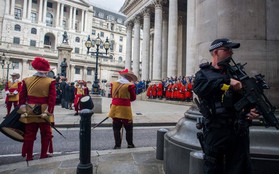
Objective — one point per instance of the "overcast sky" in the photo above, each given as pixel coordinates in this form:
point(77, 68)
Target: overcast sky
point(109, 4)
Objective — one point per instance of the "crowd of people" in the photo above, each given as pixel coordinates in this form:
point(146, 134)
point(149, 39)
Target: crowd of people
point(69, 93)
point(173, 88)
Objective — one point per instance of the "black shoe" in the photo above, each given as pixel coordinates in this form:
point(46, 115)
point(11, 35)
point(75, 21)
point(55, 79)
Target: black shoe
point(131, 146)
point(117, 147)
point(75, 114)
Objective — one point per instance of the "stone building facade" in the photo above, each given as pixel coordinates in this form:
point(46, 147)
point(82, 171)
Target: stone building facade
point(178, 33)
point(30, 28)
point(163, 25)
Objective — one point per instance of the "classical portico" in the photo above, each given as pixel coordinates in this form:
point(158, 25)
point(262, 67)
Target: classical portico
point(161, 54)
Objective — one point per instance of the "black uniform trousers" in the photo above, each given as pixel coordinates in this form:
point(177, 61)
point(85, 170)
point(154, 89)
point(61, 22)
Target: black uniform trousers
point(117, 125)
point(226, 152)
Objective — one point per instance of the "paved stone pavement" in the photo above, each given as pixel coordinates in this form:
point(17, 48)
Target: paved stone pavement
point(128, 161)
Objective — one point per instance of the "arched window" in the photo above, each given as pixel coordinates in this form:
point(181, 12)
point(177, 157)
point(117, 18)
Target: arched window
point(49, 19)
point(119, 59)
point(33, 31)
point(77, 39)
point(17, 27)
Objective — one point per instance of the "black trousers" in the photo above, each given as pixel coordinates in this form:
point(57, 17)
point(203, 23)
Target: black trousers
point(226, 152)
point(117, 125)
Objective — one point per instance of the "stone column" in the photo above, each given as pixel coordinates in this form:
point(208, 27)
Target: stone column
point(24, 11)
point(29, 9)
point(128, 45)
point(136, 48)
point(45, 11)
point(74, 18)
point(151, 56)
point(172, 38)
point(191, 30)
point(85, 21)
point(82, 21)
point(83, 70)
point(7, 7)
point(165, 45)
point(57, 14)
point(70, 18)
point(61, 15)
point(146, 45)
point(40, 10)
point(12, 8)
point(25, 68)
point(72, 76)
point(157, 59)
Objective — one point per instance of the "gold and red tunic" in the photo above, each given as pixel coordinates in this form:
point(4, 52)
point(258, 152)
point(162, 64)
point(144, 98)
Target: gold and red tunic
point(79, 92)
point(38, 90)
point(121, 101)
point(11, 88)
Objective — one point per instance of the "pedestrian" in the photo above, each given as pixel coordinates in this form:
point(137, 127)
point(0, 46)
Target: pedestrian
point(226, 131)
point(12, 90)
point(63, 85)
point(123, 93)
point(37, 101)
point(71, 95)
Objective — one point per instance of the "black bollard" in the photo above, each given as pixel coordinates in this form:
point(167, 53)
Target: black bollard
point(85, 166)
point(160, 143)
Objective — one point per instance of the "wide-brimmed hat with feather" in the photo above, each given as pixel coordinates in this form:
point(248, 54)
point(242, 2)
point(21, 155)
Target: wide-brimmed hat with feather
point(129, 75)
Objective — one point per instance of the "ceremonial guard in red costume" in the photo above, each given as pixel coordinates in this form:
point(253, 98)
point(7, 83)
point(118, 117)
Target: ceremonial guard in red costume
point(79, 92)
point(182, 92)
point(169, 91)
point(85, 88)
point(123, 93)
point(154, 91)
point(12, 90)
point(149, 91)
point(160, 90)
point(189, 91)
point(37, 101)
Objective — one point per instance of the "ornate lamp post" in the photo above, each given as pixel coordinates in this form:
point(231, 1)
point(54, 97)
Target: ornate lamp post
point(91, 43)
point(6, 60)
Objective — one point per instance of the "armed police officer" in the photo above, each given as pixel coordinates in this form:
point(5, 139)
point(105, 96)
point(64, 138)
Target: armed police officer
point(226, 132)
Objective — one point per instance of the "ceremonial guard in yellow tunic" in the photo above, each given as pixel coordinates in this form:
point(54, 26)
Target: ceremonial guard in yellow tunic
point(12, 89)
point(123, 92)
point(79, 92)
point(37, 101)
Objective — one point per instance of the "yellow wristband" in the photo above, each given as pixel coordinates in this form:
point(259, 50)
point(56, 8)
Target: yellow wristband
point(225, 87)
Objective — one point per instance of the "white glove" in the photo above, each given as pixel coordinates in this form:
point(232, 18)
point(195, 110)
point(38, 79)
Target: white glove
point(24, 115)
point(44, 115)
point(15, 92)
point(7, 92)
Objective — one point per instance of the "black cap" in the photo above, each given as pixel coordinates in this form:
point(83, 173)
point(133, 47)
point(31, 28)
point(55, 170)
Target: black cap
point(224, 42)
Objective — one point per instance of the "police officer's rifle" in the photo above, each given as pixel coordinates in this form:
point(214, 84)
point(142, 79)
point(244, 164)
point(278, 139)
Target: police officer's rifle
point(253, 94)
